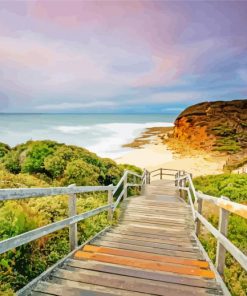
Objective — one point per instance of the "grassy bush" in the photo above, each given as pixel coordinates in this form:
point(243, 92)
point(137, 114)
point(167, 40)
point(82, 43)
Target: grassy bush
point(46, 164)
point(235, 187)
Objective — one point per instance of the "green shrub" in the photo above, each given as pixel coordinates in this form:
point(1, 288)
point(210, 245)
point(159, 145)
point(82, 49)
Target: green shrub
point(4, 149)
point(81, 173)
point(45, 164)
point(35, 157)
point(11, 162)
point(233, 186)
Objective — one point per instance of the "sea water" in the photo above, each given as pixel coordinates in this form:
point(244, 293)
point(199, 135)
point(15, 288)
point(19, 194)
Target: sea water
point(103, 134)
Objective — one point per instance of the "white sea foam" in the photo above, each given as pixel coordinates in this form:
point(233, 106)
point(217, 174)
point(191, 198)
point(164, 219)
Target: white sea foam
point(71, 129)
point(102, 134)
point(115, 135)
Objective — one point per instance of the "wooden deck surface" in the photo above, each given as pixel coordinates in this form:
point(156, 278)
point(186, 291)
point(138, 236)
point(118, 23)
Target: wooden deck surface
point(152, 251)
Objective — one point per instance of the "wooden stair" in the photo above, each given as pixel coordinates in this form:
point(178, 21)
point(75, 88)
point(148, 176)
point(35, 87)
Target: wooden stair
point(152, 251)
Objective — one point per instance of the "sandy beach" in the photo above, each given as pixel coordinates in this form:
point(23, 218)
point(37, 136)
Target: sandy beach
point(153, 153)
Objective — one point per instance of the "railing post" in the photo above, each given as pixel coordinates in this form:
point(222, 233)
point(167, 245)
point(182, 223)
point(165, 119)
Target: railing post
point(180, 184)
point(125, 185)
point(198, 222)
point(160, 174)
point(72, 228)
point(110, 201)
point(145, 177)
point(221, 251)
point(183, 191)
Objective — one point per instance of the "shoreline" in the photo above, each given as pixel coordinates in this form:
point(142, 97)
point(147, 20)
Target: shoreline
point(151, 150)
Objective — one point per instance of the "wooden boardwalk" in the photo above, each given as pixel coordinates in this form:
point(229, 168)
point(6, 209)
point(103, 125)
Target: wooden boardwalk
point(151, 251)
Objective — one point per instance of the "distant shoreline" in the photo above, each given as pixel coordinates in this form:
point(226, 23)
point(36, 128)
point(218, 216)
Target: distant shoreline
point(150, 150)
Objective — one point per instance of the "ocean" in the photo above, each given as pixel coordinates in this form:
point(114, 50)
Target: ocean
point(103, 134)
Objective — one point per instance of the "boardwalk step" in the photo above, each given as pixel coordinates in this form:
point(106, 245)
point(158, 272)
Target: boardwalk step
point(133, 241)
point(124, 283)
point(146, 256)
point(145, 264)
point(135, 272)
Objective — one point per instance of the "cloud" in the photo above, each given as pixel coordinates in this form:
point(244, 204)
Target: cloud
point(70, 106)
point(86, 54)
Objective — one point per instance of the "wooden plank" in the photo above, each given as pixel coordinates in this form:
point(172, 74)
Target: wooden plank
point(40, 294)
point(145, 274)
point(163, 221)
point(128, 283)
point(149, 222)
point(62, 287)
point(145, 264)
point(146, 256)
point(158, 226)
point(130, 208)
point(160, 210)
point(148, 239)
point(149, 244)
point(165, 224)
point(148, 249)
point(153, 231)
point(157, 212)
point(185, 239)
point(160, 204)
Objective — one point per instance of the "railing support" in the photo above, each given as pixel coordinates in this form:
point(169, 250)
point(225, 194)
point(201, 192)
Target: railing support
point(125, 185)
point(198, 222)
point(176, 181)
point(110, 201)
point(221, 251)
point(160, 174)
point(73, 241)
point(180, 184)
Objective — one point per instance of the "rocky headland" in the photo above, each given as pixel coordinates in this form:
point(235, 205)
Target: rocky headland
point(207, 138)
point(219, 126)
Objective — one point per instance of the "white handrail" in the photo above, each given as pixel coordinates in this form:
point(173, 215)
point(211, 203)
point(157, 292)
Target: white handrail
point(20, 193)
point(225, 205)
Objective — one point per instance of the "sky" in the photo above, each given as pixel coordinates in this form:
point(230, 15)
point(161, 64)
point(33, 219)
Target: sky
point(120, 56)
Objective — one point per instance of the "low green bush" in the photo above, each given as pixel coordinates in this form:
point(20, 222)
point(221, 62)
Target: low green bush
point(233, 186)
point(46, 164)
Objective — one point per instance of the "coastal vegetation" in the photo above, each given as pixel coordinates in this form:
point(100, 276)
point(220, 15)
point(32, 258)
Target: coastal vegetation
point(233, 186)
point(47, 164)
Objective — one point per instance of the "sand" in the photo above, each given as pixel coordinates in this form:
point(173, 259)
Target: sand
point(156, 155)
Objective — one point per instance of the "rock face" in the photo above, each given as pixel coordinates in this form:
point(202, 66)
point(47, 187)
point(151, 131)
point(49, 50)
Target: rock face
point(219, 126)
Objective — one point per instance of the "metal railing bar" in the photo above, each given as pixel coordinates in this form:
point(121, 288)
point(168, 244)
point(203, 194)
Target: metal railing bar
point(230, 247)
point(19, 193)
point(118, 200)
point(133, 185)
point(29, 236)
point(120, 182)
point(230, 206)
point(156, 175)
point(134, 174)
